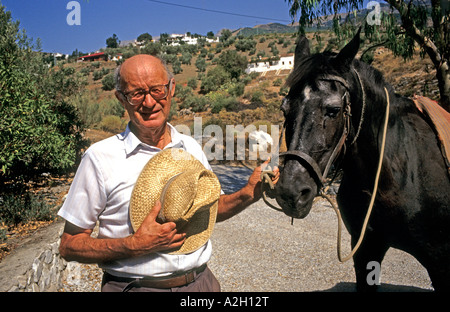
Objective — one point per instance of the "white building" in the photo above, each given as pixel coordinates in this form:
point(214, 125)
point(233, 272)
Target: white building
point(188, 39)
point(285, 62)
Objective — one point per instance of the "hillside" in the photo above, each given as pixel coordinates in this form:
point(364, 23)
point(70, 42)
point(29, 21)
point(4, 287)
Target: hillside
point(260, 99)
point(257, 104)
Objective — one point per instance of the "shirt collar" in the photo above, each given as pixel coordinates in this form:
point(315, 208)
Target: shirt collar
point(132, 143)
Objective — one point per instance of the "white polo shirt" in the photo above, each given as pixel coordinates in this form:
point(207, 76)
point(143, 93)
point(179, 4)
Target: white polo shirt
point(101, 191)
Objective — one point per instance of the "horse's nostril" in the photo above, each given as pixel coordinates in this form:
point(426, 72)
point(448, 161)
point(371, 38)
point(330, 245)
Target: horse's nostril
point(305, 194)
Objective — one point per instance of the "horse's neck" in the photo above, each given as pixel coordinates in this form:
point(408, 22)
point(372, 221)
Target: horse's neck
point(369, 100)
point(368, 114)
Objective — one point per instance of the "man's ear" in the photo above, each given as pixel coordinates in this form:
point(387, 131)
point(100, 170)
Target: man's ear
point(172, 85)
point(120, 97)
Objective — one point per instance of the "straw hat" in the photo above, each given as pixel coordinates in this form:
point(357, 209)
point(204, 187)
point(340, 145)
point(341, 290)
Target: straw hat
point(188, 192)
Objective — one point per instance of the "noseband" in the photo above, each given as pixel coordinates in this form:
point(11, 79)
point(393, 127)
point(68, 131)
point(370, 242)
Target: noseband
point(305, 159)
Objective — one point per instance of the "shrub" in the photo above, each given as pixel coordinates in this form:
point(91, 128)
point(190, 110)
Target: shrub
point(91, 111)
point(98, 74)
point(182, 92)
point(173, 109)
point(219, 101)
point(192, 83)
point(108, 82)
point(277, 82)
point(85, 71)
point(112, 123)
point(196, 103)
point(236, 89)
point(21, 208)
point(257, 97)
point(215, 78)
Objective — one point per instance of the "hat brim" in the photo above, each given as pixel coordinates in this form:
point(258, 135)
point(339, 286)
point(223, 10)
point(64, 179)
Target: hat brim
point(149, 186)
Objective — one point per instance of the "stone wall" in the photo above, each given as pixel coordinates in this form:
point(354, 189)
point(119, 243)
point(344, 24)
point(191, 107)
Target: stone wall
point(36, 266)
point(45, 272)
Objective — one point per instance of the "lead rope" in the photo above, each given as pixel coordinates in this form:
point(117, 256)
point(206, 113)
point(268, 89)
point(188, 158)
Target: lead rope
point(372, 199)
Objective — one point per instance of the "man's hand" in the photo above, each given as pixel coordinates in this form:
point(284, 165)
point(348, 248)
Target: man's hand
point(78, 245)
point(153, 236)
point(232, 204)
point(253, 186)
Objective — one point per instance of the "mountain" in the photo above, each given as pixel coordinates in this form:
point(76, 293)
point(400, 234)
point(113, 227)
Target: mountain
point(266, 28)
point(327, 22)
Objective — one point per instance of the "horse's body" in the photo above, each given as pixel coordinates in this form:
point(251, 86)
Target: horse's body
point(412, 205)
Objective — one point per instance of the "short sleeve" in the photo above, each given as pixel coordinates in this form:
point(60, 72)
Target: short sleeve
point(87, 197)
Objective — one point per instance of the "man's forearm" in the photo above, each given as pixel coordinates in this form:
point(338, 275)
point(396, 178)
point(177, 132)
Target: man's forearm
point(232, 204)
point(78, 245)
point(85, 249)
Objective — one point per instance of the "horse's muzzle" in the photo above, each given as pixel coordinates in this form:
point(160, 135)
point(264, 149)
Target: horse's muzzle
point(296, 189)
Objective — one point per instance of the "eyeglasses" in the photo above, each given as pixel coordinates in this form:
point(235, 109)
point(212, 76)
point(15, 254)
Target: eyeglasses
point(157, 92)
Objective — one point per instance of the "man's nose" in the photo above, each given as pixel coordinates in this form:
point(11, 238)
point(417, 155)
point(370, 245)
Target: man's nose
point(149, 101)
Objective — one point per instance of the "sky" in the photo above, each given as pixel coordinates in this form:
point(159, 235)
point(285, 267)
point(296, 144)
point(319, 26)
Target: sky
point(100, 19)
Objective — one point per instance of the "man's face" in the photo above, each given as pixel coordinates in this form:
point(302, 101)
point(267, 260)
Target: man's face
point(140, 74)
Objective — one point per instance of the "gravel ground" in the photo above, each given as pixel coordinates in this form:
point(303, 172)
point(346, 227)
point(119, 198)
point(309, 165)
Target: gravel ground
point(260, 251)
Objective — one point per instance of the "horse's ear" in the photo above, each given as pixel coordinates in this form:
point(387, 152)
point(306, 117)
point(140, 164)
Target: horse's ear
point(348, 53)
point(302, 49)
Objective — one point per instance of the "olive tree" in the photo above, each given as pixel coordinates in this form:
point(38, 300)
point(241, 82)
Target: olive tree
point(39, 130)
point(404, 24)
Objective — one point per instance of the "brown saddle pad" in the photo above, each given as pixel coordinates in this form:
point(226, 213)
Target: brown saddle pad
point(441, 120)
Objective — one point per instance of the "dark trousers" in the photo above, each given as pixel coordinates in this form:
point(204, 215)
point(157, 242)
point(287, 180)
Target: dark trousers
point(204, 282)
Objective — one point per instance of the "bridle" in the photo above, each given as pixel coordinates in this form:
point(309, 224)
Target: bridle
point(312, 166)
point(320, 177)
point(303, 157)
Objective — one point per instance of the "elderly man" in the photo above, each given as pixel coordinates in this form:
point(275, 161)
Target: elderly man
point(103, 185)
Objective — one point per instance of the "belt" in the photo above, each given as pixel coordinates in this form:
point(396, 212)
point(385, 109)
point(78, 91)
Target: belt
point(175, 280)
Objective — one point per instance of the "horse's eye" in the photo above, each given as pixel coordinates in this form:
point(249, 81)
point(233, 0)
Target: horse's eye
point(332, 111)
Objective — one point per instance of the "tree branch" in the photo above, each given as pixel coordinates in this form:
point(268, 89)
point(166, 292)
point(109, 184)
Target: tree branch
point(427, 44)
point(373, 47)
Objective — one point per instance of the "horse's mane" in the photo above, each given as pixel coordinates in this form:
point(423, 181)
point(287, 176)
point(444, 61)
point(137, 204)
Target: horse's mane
point(308, 67)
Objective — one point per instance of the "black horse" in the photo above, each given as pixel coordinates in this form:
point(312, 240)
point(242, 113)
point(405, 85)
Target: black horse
point(334, 114)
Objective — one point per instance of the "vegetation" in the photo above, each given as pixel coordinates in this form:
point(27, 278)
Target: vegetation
point(112, 42)
point(46, 103)
point(398, 28)
point(40, 132)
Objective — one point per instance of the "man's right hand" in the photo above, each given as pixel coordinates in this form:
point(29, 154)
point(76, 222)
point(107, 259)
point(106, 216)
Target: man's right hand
point(78, 245)
point(152, 236)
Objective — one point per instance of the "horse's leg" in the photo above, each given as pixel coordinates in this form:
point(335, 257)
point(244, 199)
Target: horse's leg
point(371, 249)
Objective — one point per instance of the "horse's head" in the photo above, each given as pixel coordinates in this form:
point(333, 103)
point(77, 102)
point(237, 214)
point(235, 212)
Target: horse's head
point(315, 111)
